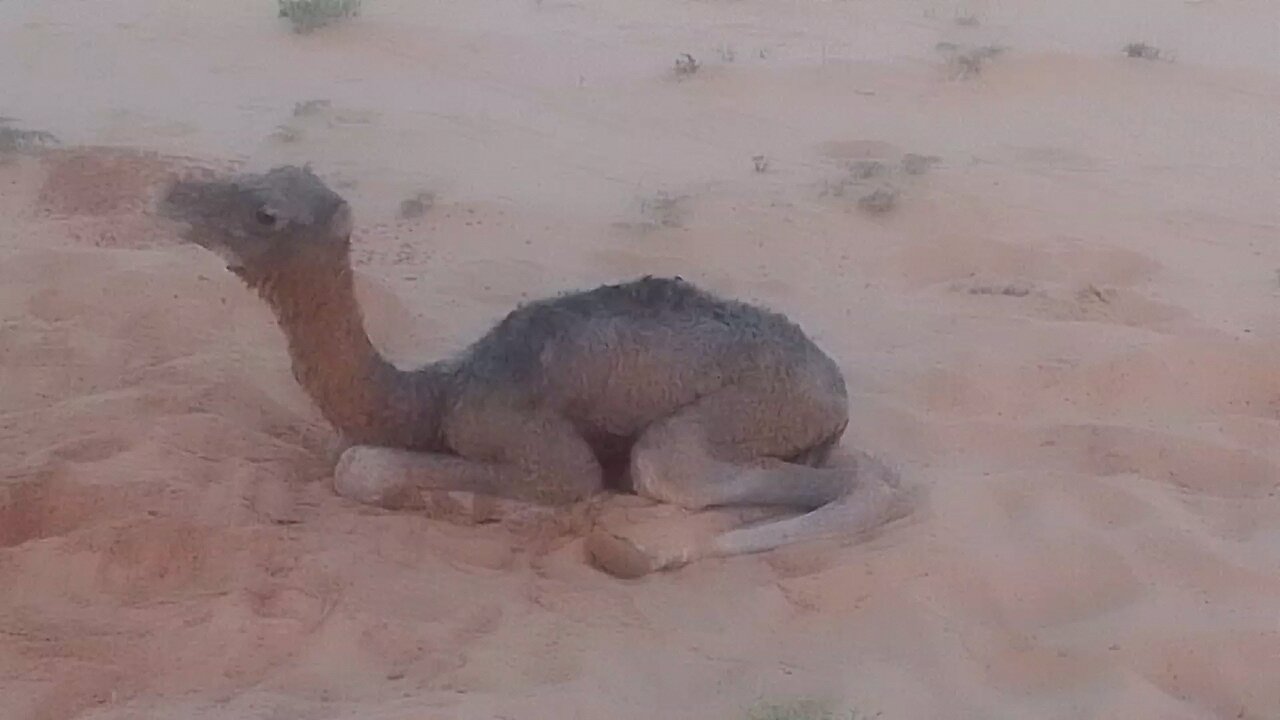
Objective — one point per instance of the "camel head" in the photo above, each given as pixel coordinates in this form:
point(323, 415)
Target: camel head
point(261, 224)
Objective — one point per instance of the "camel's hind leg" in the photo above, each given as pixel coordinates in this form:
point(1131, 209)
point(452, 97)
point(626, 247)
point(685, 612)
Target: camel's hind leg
point(723, 451)
point(873, 497)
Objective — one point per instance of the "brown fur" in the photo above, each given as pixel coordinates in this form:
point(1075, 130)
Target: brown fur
point(316, 306)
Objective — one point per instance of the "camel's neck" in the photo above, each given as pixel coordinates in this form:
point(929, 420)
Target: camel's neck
point(366, 398)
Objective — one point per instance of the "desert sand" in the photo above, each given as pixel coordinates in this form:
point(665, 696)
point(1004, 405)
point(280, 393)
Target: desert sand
point(1065, 330)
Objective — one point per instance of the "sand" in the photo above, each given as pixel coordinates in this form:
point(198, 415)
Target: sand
point(1061, 324)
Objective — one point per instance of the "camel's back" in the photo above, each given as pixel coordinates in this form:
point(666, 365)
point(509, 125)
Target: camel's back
point(628, 353)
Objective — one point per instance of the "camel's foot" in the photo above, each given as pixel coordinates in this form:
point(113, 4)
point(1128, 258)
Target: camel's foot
point(372, 476)
point(631, 541)
point(628, 557)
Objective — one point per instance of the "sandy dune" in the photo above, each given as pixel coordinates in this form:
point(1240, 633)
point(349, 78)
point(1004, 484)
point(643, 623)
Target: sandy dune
point(1066, 331)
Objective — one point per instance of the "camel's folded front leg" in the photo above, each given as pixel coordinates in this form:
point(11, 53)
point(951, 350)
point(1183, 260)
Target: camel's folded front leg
point(395, 478)
point(544, 473)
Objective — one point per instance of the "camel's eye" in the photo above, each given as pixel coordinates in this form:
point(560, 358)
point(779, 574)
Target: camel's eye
point(265, 217)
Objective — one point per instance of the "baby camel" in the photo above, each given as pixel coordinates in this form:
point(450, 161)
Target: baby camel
point(713, 402)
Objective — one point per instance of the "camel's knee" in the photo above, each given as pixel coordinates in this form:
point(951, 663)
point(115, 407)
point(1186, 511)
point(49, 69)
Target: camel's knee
point(373, 476)
point(564, 477)
point(628, 557)
point(674, 473)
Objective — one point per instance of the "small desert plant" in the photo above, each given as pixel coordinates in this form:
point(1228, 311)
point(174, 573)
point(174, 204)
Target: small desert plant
point(1005, 290)
point(417, 206)
point(307, 15)
point(916, 164)
point(760, 162)
point(804, 710)
point(967, 62)
point(686, 65)
point(664, 210)
point(1143, 51)
point(867, 169)
point(13, 139)
point(310, 107)
point(879, 201)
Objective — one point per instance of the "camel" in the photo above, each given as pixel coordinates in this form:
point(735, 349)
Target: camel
point(706, 402)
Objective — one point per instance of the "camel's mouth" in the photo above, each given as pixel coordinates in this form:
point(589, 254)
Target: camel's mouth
point(233, 261)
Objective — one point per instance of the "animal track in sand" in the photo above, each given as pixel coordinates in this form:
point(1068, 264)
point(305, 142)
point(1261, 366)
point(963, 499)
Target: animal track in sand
point(1072, 282)
point(1193, 465)
point(1088, 303)
point(964, 257)
point(1173, 378)
point(49, 505)
point(1199, 466)
point(157, 557)
point(1225, 684)
point(95, 448)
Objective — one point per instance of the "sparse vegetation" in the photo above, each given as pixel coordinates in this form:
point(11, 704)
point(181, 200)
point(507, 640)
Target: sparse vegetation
point(879, 201)
point(308, 15)
point(761, 163)
point(877, 183)
point(417, 206)
point(1143, 51)
point(1012, 289)
point(310, 107)
point(867, 169)
point(13, 139)
point(856, 175)
point(804, 710)
point(686, 65)
point(664, 210)
point(1094, 294)
point(286, 134)
point(293, 130)
point(967, 62)
point(915, 164)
